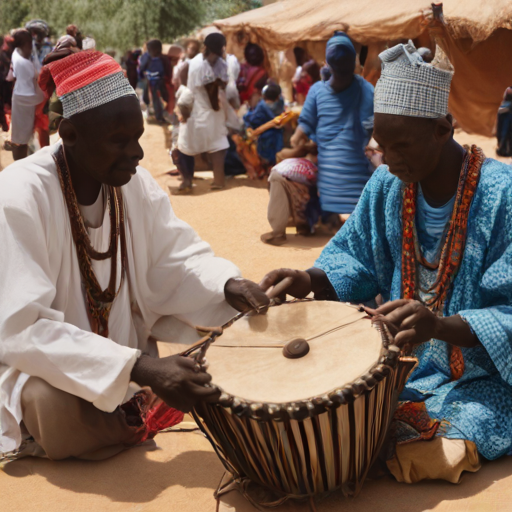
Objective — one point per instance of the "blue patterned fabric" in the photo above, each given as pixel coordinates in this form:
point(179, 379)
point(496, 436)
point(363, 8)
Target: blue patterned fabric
point(339, 123)
point(431, 224)
point(364, 259)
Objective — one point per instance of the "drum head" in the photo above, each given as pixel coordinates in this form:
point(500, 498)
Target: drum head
point(247, 361)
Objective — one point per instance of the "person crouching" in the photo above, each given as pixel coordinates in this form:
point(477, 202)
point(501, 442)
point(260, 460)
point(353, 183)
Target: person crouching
point(293, 193)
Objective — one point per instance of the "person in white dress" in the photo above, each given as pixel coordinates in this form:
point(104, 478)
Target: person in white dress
point(205, 130)
point(92, 258)
point(26, 94)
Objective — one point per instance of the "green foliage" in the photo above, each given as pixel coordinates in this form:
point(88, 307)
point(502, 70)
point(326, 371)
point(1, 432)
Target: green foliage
point(215, 10)
point(122, 24)
point(12, 14)
point(132, 22)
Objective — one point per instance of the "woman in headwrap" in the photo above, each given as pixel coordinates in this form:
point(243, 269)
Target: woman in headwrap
point(338, 113)
point(253, 75)
point(205, 130)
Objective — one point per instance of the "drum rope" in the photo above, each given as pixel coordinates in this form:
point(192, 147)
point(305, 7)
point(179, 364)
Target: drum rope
point(325, 333)
point(212, 442)
point(212, 333)
point(242, 486)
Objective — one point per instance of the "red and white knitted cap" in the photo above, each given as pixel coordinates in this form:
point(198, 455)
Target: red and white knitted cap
point(85, 80)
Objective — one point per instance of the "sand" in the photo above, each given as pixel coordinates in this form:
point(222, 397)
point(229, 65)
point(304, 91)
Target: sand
point(181, 472)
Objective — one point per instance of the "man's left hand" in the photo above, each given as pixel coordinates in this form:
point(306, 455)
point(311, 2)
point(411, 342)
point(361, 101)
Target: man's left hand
point(409, 321)
point(244, 295)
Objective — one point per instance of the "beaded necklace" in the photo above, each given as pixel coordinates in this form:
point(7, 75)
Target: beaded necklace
point(453, 249)
point(99, 302)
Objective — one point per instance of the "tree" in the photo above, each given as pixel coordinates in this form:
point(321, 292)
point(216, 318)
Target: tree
point(136, 21)
point(121, 24)
point(215, 10)
point(12, 14)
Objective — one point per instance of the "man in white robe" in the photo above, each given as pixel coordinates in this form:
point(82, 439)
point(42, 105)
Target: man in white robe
point(61, 384)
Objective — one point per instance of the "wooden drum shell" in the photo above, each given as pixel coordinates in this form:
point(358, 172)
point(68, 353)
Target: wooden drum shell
point(333, 447)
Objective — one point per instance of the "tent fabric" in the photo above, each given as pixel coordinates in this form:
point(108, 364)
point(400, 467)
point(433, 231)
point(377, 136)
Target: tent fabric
point(281, 24)
point(476, 37)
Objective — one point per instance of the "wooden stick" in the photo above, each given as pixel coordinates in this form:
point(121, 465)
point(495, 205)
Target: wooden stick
point(279, 287)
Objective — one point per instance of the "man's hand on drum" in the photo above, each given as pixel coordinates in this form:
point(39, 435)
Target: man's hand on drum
point(409, 321)
point(299, 283)
point(244, 295)
point(179, 381)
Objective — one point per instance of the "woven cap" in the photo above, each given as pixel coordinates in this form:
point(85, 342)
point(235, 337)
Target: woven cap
point(85, 80)
point(408, 86)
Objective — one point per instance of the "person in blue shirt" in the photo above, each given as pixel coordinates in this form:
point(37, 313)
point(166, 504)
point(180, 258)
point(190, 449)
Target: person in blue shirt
point(338, 113)
point(269, 107)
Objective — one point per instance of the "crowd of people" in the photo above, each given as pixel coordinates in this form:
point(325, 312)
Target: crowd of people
point(226, 112)
point(93, 254)
point(23, 108)
point(234, 115)
point(231, 108)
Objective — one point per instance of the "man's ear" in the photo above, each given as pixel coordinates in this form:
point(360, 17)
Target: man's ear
point(444, 128)
point(68, 132)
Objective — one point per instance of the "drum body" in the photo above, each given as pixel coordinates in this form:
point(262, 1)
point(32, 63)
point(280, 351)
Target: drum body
point(302, 445)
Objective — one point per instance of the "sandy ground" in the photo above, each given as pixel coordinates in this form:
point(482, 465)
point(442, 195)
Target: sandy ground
point(182, 471)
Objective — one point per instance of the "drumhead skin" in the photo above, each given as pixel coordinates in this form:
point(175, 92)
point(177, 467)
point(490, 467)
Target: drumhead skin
point(248, 362)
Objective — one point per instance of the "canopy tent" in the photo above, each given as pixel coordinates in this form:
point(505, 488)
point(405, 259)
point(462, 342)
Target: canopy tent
point(476, 36)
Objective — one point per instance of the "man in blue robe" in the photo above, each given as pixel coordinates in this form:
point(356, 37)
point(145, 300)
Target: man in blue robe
point(338, 115)
point(452, 306)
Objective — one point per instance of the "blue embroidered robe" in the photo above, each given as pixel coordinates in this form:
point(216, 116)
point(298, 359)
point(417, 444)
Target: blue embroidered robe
point(364, 259)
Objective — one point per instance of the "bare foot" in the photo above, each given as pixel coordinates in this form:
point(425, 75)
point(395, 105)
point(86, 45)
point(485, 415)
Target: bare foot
point(185, 188)
point(273, 239)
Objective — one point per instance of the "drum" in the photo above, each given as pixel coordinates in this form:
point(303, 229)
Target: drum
point(308, 393)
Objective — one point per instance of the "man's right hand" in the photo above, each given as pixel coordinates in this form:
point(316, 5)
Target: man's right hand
point(299, 288)
point(175, 381)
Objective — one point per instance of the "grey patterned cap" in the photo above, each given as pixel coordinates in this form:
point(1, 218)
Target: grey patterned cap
point(97, 93)
point(408, 86)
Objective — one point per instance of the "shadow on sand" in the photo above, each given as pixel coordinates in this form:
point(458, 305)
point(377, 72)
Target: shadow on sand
point(203, 180)
point(128, 477)
point(387, 495)
point(132, 477)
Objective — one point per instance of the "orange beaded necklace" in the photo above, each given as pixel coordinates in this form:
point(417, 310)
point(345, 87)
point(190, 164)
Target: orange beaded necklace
point(453, 248)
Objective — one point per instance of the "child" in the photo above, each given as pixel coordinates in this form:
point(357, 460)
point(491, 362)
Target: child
point(270, 106)
point(155, 68)
point(184, 163)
